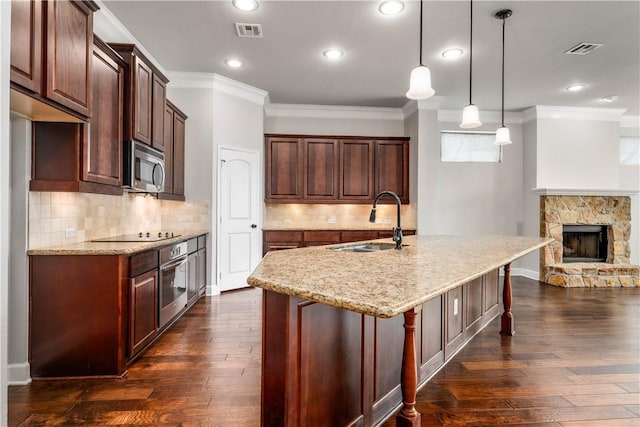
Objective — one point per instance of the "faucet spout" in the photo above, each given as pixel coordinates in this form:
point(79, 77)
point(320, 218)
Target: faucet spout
point(397, 231)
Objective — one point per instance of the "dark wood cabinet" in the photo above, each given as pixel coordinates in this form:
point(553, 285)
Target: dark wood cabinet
point(356, 170)
point(284, 169)
point(26, 44)
point(276, 240)
point(328, 169)
point(52, 51)
point(305, 340)
point(85, 157)
point(320, 169)
point(144, 99)
point(174, 152)
point(102, 150)
point(392, 171)
point(144, 311)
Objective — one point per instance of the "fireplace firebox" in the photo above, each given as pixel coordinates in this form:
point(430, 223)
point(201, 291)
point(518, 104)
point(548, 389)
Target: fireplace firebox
point(584, 243)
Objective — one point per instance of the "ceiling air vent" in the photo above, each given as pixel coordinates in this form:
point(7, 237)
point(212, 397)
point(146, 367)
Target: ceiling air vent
point(583, 48)
point(249, 30)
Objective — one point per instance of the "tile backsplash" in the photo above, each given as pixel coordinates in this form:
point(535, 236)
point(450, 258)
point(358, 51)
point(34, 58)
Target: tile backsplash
point(57, 218)
point(338, 216)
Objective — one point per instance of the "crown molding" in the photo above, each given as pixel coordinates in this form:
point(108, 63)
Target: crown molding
point(240, 90)
point(188, 80)
point(454, 116)
point(573, 113)
point(108, 27)
point(630, 122)
point(332, 112)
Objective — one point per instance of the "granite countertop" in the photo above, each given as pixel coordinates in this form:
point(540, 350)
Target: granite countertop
point(112, 248)
point(388, 283)
point(334, 227)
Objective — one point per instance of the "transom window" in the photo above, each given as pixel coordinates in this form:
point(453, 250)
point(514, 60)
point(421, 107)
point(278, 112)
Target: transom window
point(477, 147)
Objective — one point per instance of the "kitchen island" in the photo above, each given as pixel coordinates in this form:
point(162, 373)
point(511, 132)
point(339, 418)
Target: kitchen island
point(334, 350)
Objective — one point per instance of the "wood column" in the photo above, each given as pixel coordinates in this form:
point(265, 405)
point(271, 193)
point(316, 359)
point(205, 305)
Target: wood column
point(507, 317)
point(408, 416)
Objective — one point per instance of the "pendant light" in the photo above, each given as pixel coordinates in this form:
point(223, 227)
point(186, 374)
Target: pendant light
point(502, 134)
point(420, 80)
point(470, 114)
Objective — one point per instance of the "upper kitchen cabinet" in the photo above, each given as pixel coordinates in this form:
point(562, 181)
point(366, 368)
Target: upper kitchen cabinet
point(51, 53)
point(320, 179)
point(144, 99)
point(174, 138)
point(329, 169)
point(85, 157)
point(392, 167)
point(284, 169)
point(356, 170)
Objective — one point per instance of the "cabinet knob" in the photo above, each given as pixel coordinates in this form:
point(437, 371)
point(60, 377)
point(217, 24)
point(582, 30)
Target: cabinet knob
point(254, 226)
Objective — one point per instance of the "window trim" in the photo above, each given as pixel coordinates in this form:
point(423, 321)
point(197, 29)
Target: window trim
point(499, 147)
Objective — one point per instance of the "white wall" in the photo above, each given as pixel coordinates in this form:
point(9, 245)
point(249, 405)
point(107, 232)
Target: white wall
point(531, 199)
point(5, 37)
point(18, 357)
point(630, 179)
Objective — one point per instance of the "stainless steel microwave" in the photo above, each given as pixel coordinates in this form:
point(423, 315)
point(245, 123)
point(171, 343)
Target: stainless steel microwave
point(143, 168)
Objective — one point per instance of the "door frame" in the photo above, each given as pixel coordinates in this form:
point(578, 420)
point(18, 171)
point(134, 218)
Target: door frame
point(260, 198)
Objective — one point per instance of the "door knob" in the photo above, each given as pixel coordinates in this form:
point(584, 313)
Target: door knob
point(254, 226)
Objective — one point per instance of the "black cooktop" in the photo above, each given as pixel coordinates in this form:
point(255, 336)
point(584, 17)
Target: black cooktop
point(140, 237)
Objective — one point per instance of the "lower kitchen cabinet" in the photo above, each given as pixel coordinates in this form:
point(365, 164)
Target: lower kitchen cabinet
point(278, 240)
point(92, 315)
point(201, 265)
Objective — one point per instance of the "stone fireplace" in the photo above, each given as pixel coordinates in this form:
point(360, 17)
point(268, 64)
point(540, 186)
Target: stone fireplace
point(591, 247)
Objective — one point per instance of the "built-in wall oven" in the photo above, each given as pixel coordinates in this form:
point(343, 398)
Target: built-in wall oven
point(173, 281)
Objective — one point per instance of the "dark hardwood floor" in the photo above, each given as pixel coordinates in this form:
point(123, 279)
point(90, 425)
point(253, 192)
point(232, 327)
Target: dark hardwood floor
point(575, 361)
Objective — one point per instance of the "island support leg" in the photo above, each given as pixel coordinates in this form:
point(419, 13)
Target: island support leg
point(507, 317)
point(408, 416)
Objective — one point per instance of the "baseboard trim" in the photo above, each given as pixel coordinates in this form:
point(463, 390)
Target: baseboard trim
point(19, 373)
point(523, 272)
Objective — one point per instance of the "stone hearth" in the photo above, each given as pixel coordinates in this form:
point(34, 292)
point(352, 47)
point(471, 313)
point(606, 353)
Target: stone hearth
point(612, 211)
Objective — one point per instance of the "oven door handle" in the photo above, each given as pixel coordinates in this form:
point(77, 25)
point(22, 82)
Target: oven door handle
point(174, 264)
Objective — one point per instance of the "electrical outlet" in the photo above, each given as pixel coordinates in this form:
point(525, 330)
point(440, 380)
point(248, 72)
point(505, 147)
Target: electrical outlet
point(69, 233)
point(331, 220)
point(455, 307)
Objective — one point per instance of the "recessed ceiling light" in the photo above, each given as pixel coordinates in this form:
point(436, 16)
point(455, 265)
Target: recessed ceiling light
point(391, 7)
point(576, 87)
point(234, 63)
point(452, 53)
point(245, 5)
point(333, 54)
point(609, 98)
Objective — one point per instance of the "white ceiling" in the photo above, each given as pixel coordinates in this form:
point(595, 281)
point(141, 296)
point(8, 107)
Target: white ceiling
point(380, 51)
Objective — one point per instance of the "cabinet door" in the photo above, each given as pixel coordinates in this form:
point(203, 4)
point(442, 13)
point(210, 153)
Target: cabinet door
point(284, 168)
point(392, 168)
point(168, 149)
point(102, 150)
point(201, 270)
point(320, 169)
point(69, 26)
point(144, 317)
point(454, 325)
point(178, 154)
point(158, 113)
point(142, 103)
point(358, 236)
point(356, 170)
point(26, 44)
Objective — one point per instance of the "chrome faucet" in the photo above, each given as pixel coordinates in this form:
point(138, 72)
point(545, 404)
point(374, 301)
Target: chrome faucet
point(397, 231)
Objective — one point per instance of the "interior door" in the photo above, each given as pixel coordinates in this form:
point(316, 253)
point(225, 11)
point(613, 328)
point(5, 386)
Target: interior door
point(238, 207)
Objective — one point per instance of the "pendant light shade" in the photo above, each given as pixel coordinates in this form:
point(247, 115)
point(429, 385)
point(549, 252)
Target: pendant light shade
point(420, 79)
point(470, 114)
point(502, 134)
point(420, 83)
point(470, 117)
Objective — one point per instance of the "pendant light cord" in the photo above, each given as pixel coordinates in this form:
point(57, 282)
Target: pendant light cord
point(503, 22)
point(420, 32)
point(470, 52)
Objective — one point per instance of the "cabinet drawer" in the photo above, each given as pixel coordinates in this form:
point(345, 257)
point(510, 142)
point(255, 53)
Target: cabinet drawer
point(356, 236)
point(327, 237)
point(143, 262)
point(273, 236)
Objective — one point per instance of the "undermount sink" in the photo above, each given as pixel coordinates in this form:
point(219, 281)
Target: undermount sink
point(365, 247)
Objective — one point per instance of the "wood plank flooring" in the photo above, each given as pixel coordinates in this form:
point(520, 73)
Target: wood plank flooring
point(575, 361)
